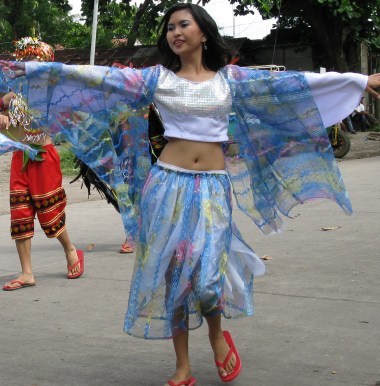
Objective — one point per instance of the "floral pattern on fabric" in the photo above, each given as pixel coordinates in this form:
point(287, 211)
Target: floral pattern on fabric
point(191, 261)
point(284, 154)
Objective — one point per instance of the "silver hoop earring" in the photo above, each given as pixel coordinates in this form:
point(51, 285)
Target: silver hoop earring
point(204, 46)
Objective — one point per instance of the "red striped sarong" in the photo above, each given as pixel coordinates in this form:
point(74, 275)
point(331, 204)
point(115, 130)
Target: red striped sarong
point(37, 190)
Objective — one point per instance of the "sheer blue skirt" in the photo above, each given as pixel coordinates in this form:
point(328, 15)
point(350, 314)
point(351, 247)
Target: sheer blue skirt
point(191, 260)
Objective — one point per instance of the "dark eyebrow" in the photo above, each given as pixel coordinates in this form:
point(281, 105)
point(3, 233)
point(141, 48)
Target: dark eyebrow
point(181, 21)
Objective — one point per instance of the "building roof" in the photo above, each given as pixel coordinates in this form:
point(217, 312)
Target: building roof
point(137, 56)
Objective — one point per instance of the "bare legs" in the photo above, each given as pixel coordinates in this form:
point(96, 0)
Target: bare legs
point(70, 251)
point(126, 247)
point(24, 250)
point(181, 348)
point(24, 247)
point(218, 344)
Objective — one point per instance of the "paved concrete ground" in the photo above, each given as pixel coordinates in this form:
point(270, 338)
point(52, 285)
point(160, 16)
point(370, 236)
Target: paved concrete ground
point(317, 309)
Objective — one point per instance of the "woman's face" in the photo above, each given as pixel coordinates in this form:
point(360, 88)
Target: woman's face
point(184, 35)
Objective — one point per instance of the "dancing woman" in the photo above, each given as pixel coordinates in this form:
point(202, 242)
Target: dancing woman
point(192, 263)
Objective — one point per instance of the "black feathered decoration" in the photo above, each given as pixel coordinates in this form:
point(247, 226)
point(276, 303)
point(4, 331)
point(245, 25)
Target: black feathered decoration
point(156, 131)
point(157, 143)
point(92, 181)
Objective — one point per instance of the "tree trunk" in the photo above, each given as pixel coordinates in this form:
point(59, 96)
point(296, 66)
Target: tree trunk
point(134, 32)
point(331, 37)
point(329, 33)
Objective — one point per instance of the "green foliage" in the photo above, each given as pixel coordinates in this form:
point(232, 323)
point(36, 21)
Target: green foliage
point(62, 5)
point(375, 128)
point(87, 9)
point(331, 24)
point(44, 18)
point(76, 35)
point(68, 162)
point(49, 20)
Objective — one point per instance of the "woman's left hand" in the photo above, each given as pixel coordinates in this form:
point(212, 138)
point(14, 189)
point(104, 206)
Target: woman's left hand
point(17, 68)
point(372, 84)
point(4, 122)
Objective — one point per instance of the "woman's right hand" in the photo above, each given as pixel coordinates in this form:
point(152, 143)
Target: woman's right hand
point(17, 69)
point(7, 99)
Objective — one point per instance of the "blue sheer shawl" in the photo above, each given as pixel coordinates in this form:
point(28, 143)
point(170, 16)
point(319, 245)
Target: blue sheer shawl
point(284, 157)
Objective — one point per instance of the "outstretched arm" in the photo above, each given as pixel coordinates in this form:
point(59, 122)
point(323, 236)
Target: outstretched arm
point(373, 84)
point(337, 95)
point(59, 87)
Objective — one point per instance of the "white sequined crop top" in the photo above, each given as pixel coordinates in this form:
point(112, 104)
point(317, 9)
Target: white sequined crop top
point(195, 111)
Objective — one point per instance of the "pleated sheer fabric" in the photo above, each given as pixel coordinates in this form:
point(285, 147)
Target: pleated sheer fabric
point(284, 157)
point(191, 260)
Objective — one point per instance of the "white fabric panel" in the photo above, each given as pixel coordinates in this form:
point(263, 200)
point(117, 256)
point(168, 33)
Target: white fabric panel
point(335, 94)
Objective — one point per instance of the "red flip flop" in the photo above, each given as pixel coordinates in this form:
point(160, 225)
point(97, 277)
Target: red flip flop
point(189, 382)
point(20, 284)
point(233, 350)
point(126, 248)
point(80, 261)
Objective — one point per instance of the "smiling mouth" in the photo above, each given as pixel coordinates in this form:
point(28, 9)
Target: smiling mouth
point(178, 43)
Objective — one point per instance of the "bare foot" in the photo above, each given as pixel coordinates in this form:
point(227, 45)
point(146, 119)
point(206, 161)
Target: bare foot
point(72, 258)
point(179, 376)
point(126, 248)
point(24, 278)
point(221, 349)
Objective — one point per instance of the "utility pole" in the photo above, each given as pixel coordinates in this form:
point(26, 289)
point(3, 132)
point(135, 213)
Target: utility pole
point(233, 21)
point(93, 34)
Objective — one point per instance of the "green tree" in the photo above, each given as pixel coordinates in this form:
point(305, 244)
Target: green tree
point(116, 22)
point(46, 19)
point(125, 19)
point(146, 20)
point(334, 25)
point(87, 9)
point(63, 5)
point(31, 17)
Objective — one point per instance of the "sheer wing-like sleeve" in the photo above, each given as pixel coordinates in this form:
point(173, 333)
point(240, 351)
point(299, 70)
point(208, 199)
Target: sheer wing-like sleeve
point(336, 95)
point(119, 156)
point(8, 145)
point(52, 89)
point(285, 156)
point(100, 112)
point(56, 87)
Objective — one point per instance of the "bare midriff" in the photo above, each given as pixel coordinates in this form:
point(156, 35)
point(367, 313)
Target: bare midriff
point(193, 155)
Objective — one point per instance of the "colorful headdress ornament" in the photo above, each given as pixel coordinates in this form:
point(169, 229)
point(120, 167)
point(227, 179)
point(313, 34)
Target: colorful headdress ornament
point(29, 47)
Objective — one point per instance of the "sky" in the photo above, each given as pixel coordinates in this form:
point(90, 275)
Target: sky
point(249, 26)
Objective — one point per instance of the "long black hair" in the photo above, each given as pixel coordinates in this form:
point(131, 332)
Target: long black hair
point(218, 53)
